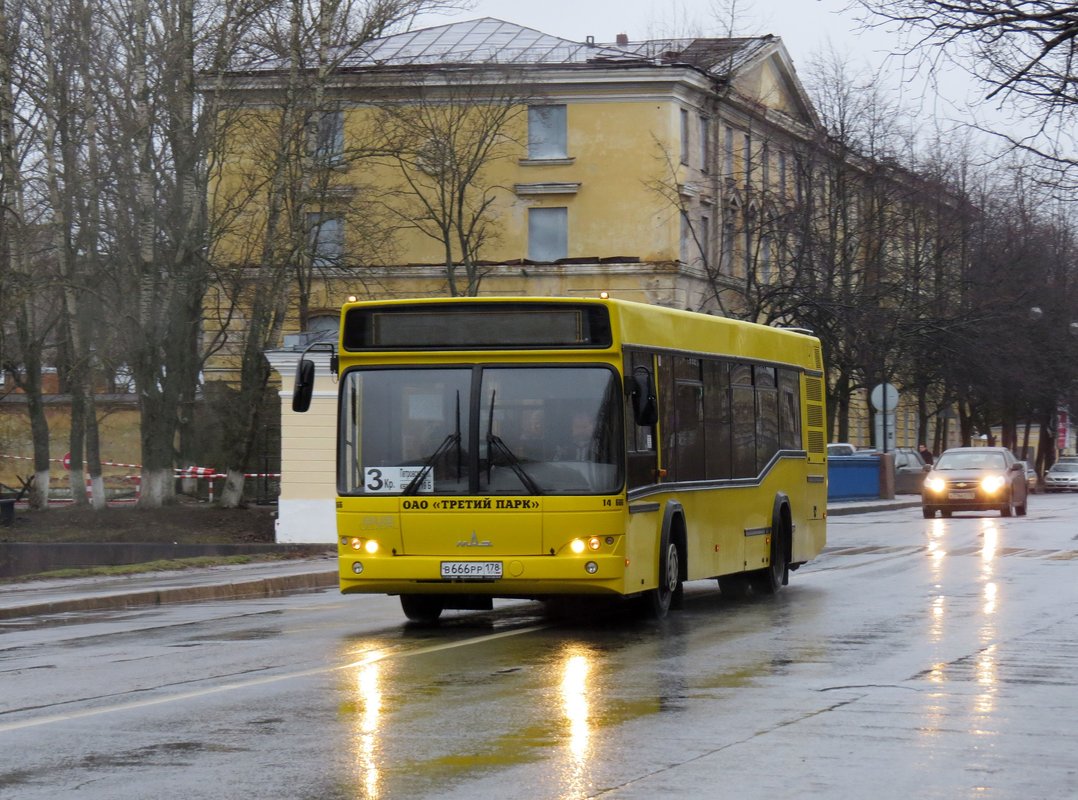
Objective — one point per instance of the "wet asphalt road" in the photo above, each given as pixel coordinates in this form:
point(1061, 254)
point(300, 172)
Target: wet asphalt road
point(915, 658)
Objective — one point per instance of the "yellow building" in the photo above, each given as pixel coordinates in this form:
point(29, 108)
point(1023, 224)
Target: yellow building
point(609, 166)
point(581, 167)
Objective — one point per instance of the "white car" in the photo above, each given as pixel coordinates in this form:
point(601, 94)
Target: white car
point(840, 449)
point(1062, 477)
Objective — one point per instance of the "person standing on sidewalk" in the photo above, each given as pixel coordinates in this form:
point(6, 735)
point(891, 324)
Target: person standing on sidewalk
point(926, 454)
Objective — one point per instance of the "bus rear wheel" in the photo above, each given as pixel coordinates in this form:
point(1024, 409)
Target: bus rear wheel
point(773, 577)
point(422, 607)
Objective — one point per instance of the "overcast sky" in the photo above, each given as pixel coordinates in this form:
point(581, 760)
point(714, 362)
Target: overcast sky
point(807, 28)
point(804, 25)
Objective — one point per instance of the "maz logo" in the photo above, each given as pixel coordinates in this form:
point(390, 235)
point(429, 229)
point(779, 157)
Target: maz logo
point(474, 542)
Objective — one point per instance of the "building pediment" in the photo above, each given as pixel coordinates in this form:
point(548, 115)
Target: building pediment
point(767, 78)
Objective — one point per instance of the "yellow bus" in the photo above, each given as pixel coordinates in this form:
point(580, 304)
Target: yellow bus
point(568, 447)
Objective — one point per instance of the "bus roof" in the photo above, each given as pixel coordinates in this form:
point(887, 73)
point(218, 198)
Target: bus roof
point(630, 324)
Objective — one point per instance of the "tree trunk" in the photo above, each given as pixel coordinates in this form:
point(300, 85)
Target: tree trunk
point(158, 487)
point(232, 491)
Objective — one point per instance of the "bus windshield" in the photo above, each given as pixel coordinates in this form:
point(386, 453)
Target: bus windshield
point(520, 430)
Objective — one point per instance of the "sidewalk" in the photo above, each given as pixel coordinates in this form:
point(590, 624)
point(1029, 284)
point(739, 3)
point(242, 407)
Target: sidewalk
point(268, 579)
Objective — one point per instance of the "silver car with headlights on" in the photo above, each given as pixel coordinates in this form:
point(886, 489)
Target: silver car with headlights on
point(975, 479)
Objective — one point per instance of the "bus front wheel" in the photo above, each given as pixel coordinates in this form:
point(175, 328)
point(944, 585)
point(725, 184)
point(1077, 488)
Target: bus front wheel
point(422, 607)
point(660, 598)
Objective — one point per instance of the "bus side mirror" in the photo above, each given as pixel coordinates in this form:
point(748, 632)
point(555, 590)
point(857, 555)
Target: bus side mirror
point(641, 393)
point(304, 386)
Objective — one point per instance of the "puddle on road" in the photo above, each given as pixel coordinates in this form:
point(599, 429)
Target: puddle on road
point(167, 754)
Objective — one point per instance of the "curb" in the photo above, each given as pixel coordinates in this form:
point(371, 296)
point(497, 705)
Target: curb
point(868, 507)
point(240, 590)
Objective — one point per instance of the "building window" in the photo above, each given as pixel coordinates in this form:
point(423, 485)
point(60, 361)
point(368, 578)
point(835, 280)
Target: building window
point(728, 155)
point(746, 157)
point(329, 138)
point(705, 239)
point(548, 234)
point(748, 250)
point(684, 238)
point(684, 136)
point(705, 144)
point(727, 264)
point(327, 239)
point(765, 161)
point(323, 323)
point(547, 132)
point(782, 175)
point(123, 380)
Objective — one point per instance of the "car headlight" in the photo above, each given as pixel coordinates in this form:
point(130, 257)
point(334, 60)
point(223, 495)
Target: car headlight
point(992, 483)
point(935, 484)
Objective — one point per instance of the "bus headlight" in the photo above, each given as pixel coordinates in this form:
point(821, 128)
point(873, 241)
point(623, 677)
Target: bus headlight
point(591, 568)
point(992, 483)
point(594, 543)
point(367, 545)
point(577, 546)
point(357, 567)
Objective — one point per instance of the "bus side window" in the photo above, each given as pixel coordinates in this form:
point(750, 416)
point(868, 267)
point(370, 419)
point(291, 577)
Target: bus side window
point(688, 436)
point(789, 411)
point(767, 415)
point(743, 409)
point(640, 441)
point(717, 419)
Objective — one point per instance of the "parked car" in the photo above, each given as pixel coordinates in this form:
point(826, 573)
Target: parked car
point(975, 479)
point(1062, 477)
point(910, 469)
point(1031, 477)
point(840, 449)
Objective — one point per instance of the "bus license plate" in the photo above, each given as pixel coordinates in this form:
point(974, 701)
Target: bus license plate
point(474, 570)
point(970, 495)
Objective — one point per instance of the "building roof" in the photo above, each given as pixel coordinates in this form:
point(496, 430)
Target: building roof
point(480, 41)
point(494, 41)
point(715, 56)
point(487, 42)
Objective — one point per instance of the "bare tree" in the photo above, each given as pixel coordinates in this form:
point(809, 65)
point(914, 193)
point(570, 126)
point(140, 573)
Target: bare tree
point(442, 137)
point(300, 184)
point(21, 276)
point(852, 247)
point(1023, 52)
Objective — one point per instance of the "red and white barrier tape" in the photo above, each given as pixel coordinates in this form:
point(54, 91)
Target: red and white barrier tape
point(181, 472)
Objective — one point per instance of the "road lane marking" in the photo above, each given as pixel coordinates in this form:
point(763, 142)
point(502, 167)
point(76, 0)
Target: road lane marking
point(263, 681)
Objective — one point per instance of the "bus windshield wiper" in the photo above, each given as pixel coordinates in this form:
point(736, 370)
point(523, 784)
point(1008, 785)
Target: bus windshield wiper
point(514, 463)
point(447, 442)
point(510, 457)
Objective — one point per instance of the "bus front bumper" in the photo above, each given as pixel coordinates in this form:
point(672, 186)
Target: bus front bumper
point(521, 576)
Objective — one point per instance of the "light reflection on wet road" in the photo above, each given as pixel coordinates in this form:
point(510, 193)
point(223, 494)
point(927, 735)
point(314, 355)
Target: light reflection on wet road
point(915, 658)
